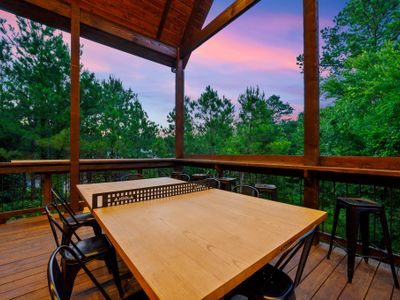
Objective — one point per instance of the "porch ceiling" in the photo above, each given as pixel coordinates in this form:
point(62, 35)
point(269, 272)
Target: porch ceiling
point(154, 30)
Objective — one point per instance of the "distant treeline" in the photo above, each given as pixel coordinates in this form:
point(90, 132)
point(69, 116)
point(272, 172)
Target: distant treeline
point(360, 68)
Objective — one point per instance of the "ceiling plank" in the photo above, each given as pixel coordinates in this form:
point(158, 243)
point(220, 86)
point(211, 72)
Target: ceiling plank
point(191, 27)
point(124, 33)
point(235, 10)
point(57, 14)
point(163, 19)
point(51, 18)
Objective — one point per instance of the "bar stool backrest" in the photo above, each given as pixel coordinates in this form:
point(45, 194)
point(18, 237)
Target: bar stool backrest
point(210, 182)
point(180, 176)
point(246, 190)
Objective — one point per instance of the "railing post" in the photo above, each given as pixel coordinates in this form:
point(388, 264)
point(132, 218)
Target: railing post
point(46, 188)
point(311, 101)
point(219, 170)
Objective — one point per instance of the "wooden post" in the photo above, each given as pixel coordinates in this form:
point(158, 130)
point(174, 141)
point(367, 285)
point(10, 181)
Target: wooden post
point(311, 101)
point(33, 186)
point(75, 104)
point(219, 170)
point(46, 188)
point(179, 107)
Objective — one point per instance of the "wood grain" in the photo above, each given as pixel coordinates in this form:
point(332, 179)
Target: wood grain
point(75, 103)
point(382, 285)
point(232, 12)
point(208, 242)
point(311, 82)
point(34, 262)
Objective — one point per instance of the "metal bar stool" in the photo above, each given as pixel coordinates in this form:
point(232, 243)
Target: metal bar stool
point(357, 216)
point(227, 183)
point(199, 176)
point(269, 189)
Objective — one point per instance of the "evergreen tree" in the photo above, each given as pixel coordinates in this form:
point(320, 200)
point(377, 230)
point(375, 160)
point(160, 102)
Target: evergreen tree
point(34, 93)
point(190, 137)
point(364, 118)
point(361, 25)
point(214, 118)
point(257, 131)
point(115, 126)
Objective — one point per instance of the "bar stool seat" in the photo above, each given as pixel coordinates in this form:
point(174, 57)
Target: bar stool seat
point(227, 183)
point(199, 176)
point(269, 189)
point(357, 217)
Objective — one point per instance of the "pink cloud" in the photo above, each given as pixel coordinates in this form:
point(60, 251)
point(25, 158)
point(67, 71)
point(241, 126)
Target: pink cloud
point(249, 54)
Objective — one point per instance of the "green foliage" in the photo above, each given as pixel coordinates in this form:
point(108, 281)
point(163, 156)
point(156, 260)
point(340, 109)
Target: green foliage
point(361, 25)
point(114, 124)
point(364, 118)
point(213, 121)
point(189, 130)
point(35, 103)
point(361, 80)
point(258, 130)
point(34, 91)
point(211, 126)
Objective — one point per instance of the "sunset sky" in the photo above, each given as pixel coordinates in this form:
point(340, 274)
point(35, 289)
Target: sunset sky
point(259, 48)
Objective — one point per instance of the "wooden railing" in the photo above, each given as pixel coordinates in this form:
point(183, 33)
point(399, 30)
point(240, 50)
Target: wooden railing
point(361, 170)
point(45, 169)
point(368, 171)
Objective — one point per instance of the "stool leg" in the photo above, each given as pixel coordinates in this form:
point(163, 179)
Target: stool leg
point(388, 243)
point(70, 270)
point(335, 221)
point(275, 195)
point(364, 229)
point(352, 224)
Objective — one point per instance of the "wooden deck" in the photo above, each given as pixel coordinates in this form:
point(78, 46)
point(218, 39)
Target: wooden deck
point(25, 247)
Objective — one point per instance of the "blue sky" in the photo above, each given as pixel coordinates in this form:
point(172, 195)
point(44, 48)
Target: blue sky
point(259, 48)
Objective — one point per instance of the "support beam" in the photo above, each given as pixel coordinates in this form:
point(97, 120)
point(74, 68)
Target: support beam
point(191, 28)
point(311, 83)
point(163, 19)
point(75, 104)
point(311, 101)
point(179, 108)
point(128, 35)
point(235, 10)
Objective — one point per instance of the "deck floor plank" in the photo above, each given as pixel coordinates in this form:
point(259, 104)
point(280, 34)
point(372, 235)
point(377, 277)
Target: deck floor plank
point(317, 255)
point(312, 283)
point(361, 282)
point(27, 244)
point(396, 292)
point(382, 284)
point(333, 286)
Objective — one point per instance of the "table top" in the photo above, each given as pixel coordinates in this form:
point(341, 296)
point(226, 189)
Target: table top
point(198, 245)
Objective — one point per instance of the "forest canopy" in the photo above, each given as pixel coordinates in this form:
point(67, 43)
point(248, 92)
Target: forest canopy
point(360, 84)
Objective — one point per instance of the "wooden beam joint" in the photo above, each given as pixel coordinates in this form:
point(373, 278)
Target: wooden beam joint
point(235, 10)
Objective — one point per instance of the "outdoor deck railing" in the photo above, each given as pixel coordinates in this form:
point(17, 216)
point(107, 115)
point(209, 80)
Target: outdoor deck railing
point(25, 185)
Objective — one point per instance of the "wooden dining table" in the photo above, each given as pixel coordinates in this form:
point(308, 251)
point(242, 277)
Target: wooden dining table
point(198, 245)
